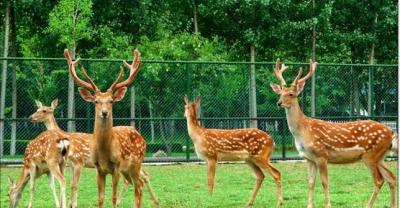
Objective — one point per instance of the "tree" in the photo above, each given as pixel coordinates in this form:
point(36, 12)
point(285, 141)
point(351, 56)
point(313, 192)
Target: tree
point(70, 21)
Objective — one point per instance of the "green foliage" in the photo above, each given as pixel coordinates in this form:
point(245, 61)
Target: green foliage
point(70, 20)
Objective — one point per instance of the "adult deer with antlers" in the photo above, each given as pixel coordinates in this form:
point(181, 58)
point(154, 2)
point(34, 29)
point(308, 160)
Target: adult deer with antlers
point(250, 145)
point(115, 150)
point(79, 154)
point(321, 142)
point(45, 154)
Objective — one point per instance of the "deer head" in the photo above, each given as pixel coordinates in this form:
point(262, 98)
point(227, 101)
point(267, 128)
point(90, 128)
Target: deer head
point(104, 100)
point(44, 113)
point(191, 107)
point(289, 93)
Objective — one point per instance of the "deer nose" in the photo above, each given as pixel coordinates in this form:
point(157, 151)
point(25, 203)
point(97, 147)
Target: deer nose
point(104, 113)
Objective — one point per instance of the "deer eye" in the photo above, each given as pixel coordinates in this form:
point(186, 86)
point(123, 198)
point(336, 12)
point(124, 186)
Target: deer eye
point(291, 94)
point(44, 111)
point(111, 101)
point(95, 102)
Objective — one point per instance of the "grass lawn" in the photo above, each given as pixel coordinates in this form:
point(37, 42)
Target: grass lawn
point(186, 186)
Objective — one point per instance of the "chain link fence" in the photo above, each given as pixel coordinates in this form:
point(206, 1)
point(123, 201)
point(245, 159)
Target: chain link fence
point(154, 102)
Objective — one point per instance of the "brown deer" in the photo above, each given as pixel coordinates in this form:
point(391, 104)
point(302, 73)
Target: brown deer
point(79, 152)
point(115, 150)
point(250, 145)
point(321, 142)
point(45, 154)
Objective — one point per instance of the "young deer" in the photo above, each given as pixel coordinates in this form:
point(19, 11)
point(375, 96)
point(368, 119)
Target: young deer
point(115, 150)
point(79, 151)
point(44, 154)
point(321, 142)
point(250, 145)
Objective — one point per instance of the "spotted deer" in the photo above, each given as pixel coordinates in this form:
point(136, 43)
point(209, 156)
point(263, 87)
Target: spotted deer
point(45, 154)
point(115, 150)
point(322, 142)
point(250, 145)
point(79, 152)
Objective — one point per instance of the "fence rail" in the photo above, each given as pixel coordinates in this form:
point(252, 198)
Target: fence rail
point(154, 103)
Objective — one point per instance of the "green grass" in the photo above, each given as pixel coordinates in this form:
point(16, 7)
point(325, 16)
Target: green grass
point(185, 186)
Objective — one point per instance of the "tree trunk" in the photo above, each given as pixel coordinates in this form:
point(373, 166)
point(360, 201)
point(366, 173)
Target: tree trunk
point(71, 98)
point(14, 81)
point(167, 145)
point(195, 25)
point(370, 74)
point(133, 116)
point(314, 40)
point(252, 90)
point(4, 76)
point(151, 121)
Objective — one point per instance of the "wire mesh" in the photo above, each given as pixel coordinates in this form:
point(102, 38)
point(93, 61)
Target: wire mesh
point(154, 103)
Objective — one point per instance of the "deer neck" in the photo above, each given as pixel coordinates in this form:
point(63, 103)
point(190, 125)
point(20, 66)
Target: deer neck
point(295, 118)
point(51, 124)
point(103, 133)
point(194, 128)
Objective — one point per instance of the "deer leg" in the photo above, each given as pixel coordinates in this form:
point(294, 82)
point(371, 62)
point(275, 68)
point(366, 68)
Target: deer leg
point(76, 175)
point(322, 165)
point(32, 180)
point(145, 177)
point(312, 173)
point(378, 182)
point(211, 165)
point(259, 179)
point(391, 179)
point(101, 180)
point(115, 180)
point(56, 171)
point(16, 193)
point(53, 188)
point(276, 174)
point(122, 192)
point(138, 186)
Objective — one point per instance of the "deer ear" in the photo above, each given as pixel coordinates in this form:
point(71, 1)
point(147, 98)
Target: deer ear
point(197, 100)
point(54, 103)
point(300, 86)
point(186, 99)
point(276, 88)
point(38, 103)
point(85, 94)
point(119, 94)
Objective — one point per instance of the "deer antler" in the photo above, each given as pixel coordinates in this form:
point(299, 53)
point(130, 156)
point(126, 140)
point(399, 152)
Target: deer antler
point(71, 65)
point(313, 66)
point(133, 68)
point(278, 71)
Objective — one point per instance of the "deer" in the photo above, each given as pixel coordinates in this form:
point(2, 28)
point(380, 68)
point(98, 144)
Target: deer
point(45, 154)
point(251, 145)
point(79, 152)
point(321, 142)
point(79, 155)
point(115, 150)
